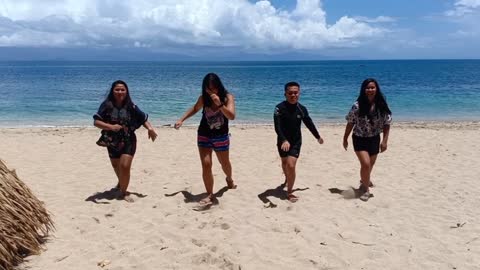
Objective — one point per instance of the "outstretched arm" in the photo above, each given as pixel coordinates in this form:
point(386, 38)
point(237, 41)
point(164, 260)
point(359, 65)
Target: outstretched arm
point(190, 112)
point(311, 126)
point(307, 120)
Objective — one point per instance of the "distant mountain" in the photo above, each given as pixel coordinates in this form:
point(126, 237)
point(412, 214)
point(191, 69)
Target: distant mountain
point(140, 54)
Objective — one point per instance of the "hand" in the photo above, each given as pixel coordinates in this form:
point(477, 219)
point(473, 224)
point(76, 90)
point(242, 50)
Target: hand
point(383, 147)
point(285, 146)
point(152, 134)
point(345, 144)
point(115, 127)
point(215, 98)
point(320, 140)
point(178, 124)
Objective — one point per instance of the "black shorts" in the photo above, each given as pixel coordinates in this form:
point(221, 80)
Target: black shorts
point(369, 144)
point(128, 148)
point(294, 150)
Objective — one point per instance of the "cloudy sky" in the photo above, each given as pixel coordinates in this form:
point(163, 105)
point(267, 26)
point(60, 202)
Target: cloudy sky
point(238, 29)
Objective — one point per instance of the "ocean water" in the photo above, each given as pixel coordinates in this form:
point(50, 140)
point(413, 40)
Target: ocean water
point(69, 93)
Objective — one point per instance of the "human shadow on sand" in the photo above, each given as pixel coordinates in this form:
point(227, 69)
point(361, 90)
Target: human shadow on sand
point(192, 198)
point(277, 192)
point(112, 194)
point(349, 193)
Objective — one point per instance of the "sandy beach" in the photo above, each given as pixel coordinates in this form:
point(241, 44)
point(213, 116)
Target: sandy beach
point(425, 211)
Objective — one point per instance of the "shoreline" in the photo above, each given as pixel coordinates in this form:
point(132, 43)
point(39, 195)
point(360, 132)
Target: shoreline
point(319, 124)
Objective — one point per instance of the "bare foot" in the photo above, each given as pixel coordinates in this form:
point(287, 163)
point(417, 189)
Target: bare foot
point(230, 183)
point(292, 198)
point(206, 201)
point(126, 197)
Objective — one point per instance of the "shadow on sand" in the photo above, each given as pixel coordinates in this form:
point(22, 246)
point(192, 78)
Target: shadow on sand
point(277, 192)
point(348, 194)
point(112, 194)
point(192, 198)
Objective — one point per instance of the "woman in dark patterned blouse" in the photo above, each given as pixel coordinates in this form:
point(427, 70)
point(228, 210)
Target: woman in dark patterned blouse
point(119, 117)
point(368, 117)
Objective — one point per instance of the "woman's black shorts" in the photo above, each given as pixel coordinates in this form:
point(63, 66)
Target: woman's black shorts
point(369, 144)
point(128, 148)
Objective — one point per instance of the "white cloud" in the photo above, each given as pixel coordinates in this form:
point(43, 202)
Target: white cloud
point(463, 7)
point(379, 19)
point(168, 23)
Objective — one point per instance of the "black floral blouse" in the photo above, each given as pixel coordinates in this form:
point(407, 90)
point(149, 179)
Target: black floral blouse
point(365, 127)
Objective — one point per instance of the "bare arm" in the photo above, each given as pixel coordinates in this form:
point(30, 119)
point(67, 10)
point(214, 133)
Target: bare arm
point(152, 134)
point(386, 132)
point(190, 112)
point(228, 109)
point(348, 129)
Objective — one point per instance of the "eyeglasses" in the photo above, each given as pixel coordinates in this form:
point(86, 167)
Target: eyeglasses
point(292, 93)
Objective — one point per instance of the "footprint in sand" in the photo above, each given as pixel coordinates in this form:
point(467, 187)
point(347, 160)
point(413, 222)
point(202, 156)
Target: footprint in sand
point(197, 243)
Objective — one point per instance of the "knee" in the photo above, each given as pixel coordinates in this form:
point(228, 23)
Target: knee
point(206, 164)
point(365, 165)
point(290, 166)
point(124, 167)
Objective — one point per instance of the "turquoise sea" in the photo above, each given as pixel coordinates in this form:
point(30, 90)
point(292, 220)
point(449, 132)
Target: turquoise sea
point(69, 93)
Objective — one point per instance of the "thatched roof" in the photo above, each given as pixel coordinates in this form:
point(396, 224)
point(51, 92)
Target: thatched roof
point(24, 221)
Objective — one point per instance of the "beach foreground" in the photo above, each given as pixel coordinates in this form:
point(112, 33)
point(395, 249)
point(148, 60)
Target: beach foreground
point(424, 213)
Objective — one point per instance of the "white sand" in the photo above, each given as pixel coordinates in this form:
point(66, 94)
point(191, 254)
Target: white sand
point(426, 183)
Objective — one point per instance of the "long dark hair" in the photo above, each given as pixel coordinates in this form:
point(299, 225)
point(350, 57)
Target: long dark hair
point(214, 80)
point(381, 105)
point(127, 102)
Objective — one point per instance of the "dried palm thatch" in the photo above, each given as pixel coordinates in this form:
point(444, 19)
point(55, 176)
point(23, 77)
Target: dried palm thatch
point(24, 221)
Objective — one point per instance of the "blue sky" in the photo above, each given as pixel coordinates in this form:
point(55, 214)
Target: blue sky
point(238, 29)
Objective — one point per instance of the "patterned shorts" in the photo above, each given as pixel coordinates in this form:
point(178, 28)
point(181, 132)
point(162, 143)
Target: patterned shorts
point(219, 143)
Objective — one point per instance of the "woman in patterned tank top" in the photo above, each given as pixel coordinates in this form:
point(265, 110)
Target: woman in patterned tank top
point(218, 107)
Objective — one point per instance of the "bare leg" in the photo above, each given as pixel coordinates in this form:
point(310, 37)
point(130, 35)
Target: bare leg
point(206, 160)
point(124, 166)
point(289, 163)
point(284, 169)
point(224, 159)
point(115, 162)
point(372, 162)
point(365, 168)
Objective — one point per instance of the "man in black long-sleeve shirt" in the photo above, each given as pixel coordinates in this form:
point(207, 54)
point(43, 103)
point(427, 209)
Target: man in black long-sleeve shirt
point(288, 118)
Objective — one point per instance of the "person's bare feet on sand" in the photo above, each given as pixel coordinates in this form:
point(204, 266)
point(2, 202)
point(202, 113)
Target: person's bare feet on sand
point(292, 198)
point(230, 183)
point(206, 201)
point(126, 197)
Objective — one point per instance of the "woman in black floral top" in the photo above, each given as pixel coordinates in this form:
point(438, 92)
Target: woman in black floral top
point(119, 117)
point(368, 117)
